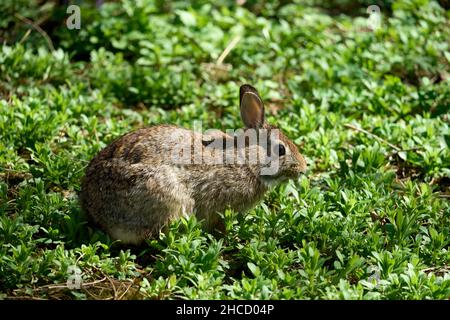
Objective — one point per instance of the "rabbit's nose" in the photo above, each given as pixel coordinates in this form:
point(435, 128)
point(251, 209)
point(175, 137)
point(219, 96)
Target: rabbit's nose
point(302, 169)
point(302, 166)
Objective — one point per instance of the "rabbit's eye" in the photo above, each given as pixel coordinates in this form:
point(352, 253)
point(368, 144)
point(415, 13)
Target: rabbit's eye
point(281, 150)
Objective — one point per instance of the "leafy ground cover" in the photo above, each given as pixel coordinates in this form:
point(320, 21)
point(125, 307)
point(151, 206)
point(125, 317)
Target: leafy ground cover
point(369, 110)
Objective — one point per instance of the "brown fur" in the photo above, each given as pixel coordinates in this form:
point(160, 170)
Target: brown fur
point(132, 188)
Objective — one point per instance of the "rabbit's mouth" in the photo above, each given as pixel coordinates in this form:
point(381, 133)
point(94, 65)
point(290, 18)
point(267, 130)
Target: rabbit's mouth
point(294, 172)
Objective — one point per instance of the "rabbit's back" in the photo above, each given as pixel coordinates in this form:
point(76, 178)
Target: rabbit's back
point(144, 145)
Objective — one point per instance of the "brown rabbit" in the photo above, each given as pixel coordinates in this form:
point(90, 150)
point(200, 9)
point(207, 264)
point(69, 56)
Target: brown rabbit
point(149, 177)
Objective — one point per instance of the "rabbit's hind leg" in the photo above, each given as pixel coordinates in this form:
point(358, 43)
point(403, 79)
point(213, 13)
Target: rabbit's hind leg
point(157, 221)
point(155, 200)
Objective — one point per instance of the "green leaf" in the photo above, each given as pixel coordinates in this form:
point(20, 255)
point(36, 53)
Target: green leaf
point(254, 269)
point(187, 18)
point(447, 56)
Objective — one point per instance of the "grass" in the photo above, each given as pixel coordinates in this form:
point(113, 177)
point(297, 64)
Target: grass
point(369, 110)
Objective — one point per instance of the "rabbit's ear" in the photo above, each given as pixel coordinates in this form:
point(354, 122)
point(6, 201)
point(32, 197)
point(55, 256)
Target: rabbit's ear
point(252, 107)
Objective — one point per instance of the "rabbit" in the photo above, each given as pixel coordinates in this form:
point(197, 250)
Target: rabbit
point(136, 185)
